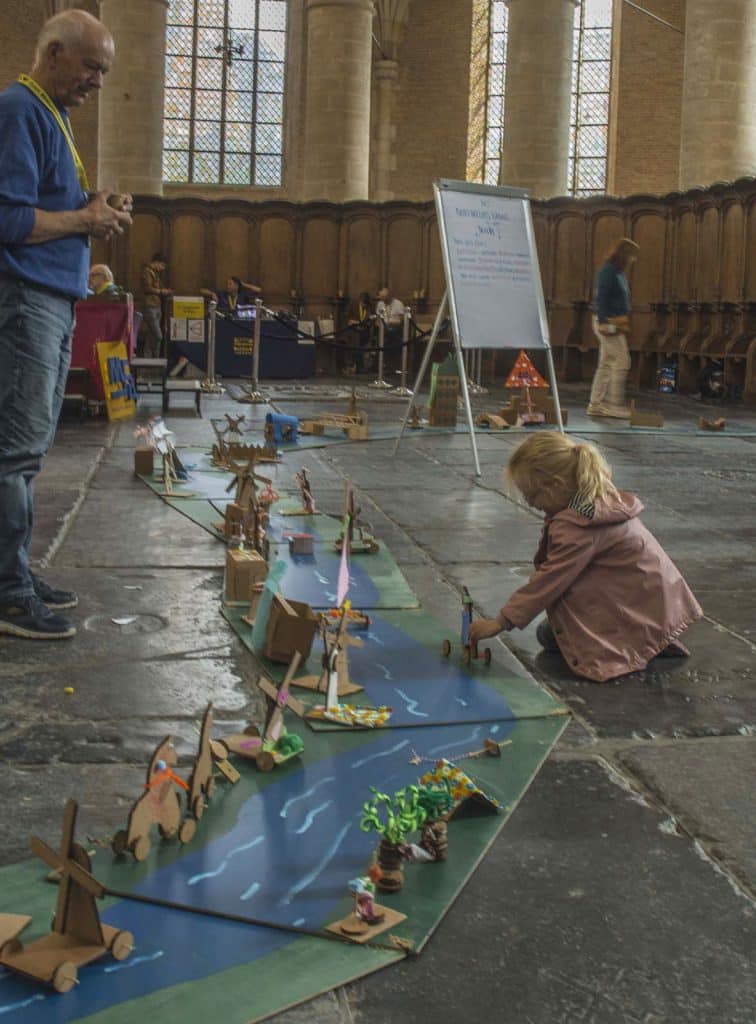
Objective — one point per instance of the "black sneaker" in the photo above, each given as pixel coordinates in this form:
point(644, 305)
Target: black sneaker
point(58, 600)
point(30, 618)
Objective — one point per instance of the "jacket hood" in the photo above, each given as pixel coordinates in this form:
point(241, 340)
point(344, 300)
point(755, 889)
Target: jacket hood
point(608, 510)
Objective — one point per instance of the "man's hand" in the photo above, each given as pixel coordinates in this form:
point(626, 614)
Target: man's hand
point(122, 202)
point(483, 629)
point(101, 220)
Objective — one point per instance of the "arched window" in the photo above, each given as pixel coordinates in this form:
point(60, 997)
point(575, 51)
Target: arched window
point(224, 92)
point(591, 71)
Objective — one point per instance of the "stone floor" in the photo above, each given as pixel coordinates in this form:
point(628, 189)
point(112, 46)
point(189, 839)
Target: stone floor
point(623, 891)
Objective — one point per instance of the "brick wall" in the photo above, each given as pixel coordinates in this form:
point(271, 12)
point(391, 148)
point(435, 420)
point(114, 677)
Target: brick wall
point(644, 154)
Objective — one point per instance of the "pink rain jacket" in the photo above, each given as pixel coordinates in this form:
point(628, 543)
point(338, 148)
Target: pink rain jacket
point(613, 597)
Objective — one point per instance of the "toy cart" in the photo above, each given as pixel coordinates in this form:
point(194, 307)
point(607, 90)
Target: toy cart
point(471, 652)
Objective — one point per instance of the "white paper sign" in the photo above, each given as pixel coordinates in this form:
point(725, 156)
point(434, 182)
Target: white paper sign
point(491, 266)
point(195, 330)
point(178, 328)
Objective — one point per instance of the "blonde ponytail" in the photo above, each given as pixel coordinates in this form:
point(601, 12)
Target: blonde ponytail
point(553, 464)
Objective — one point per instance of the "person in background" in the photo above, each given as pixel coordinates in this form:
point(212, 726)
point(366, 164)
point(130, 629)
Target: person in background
point(101, 283)
point(237, 293)
point(360, 323)
point(153, 293)
point(610, 325)
point(389, 308)
point(612, 596)
point(46, 221)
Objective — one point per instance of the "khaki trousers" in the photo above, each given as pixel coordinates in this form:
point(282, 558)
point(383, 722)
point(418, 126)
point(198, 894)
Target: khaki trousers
point(610, 379)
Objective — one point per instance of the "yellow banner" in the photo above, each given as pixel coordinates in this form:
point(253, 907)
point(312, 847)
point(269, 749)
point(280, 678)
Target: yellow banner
point(188, 307)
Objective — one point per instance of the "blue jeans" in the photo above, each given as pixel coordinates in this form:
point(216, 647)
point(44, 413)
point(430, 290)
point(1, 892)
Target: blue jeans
point(35, 353)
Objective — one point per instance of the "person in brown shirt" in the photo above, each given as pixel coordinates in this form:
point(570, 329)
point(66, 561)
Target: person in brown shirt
point(153, 293)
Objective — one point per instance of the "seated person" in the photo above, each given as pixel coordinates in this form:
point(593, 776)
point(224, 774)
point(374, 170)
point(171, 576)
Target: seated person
point(389, 308)
point(237, 293)
point(101, 283)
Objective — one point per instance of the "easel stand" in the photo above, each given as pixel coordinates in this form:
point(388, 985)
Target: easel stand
point(211, 384)
point(380, 383)
point(254, 396)
point(440, 317)
point(403, 391)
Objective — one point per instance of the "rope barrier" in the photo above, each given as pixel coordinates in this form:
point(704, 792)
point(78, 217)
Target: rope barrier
point(329, 339)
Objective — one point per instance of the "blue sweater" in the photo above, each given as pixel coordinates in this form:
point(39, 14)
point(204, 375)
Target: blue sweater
point(37, 171)
point(612, 293)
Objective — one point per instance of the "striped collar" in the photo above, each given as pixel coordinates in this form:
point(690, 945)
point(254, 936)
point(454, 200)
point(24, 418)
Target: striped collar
point(578, 503)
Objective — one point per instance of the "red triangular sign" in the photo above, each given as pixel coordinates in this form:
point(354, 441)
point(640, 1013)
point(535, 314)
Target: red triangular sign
point(524, 374)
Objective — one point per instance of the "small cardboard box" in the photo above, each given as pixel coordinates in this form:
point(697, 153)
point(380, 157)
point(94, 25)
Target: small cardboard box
point(243, 570)
point(301, 543)
point(144, 461)
point(291, 628)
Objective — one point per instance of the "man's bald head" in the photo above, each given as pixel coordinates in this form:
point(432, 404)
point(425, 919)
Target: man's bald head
point(74, 51)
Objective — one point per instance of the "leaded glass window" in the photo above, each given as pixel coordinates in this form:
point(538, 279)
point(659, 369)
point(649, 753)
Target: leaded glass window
point(497, 64)
point(591, 73)
point(224, 92)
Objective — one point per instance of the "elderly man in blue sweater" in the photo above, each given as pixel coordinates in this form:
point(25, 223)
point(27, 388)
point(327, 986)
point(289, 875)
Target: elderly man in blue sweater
point(47, 217)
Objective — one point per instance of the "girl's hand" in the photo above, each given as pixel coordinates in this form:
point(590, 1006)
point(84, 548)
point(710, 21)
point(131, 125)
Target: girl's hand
point(482, 629)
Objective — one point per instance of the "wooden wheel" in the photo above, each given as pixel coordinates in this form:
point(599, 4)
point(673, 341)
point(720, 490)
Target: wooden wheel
point(487, 656)
point(198, 806)
point(140, 848)
point(122, 945)
point(187, 830)
point(265, 761)
point(64, 978)
point(10, 948)
point(251, 730)
point(210, 788)
point(120, 842)
point(374, 548)
point(446, 648)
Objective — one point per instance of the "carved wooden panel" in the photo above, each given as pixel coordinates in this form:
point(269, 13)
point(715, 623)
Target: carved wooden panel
point(608, 228)
point(188, 254)
point(362, 255)
point(709, 256)
point(684, 284)
point(145, 238)
point(569, 258)
point(320, 262)
point(403, 248)
point(277, 254)
point(232, 251)
point(649, 231)
point(733, 239)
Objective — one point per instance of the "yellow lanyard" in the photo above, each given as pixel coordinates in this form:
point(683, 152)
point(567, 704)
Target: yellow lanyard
point(64, 126)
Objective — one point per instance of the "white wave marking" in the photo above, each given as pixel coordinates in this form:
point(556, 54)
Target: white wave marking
point(311, 818)
point(317, 871)
point(224, 863)
point(383, 753)
point(411, 704)
point(303, 796)
point(460, 743)
point(249, 893)
point(134, 961)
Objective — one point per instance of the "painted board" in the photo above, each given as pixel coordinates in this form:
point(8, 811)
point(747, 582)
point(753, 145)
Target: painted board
point(376, 581)
point(401, 665)
point(279, 848)
point(204, 968)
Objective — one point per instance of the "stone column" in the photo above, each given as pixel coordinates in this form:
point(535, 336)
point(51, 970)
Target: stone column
point(131, 101)
point(718, 139)
point(538, 94)
point(336, 163)
point(386, 76)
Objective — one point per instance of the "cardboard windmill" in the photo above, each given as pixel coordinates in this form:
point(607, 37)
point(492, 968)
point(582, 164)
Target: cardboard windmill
point(158, 805)
point(353, 423)
point(202, 780)
point(334, 679)
point(363, 542)
point(275, 746)
point(246, 516)
point(78, 937)
point(524, 375)
point(308, 502)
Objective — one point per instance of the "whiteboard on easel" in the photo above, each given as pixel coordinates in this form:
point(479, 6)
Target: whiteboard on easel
point(491, 266)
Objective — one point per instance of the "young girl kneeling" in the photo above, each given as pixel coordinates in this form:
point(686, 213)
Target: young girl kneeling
point(612, 597)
